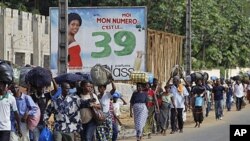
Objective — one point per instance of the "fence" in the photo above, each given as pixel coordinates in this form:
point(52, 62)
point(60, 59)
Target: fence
point(164, 51)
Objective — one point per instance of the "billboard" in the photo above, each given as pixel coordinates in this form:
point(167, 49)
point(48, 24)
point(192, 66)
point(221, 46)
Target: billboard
point(112, 36)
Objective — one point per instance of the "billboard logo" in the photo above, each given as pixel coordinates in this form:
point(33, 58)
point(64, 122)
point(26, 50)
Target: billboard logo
point(237, 132)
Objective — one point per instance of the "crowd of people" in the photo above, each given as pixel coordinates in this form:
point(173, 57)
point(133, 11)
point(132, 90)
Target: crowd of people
point(70, 103)
point(155, 110)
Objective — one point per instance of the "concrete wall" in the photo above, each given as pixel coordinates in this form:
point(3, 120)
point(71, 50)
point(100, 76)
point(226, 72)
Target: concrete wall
point(23, 33)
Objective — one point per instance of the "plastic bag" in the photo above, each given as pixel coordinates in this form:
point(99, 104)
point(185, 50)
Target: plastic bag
point(46, 135)
point(100, 74)
point(38, 77)
point(23, 72)
point(6, 72)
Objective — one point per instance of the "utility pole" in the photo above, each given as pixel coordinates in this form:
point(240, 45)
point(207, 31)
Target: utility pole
point(188, 58)
point(63, 36)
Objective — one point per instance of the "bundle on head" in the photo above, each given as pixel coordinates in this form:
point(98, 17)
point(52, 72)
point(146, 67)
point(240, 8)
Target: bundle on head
point(38, 77)
point(177, 70)
point(85, 76)
point(6, 72)
point(68, 77)
point(100, 74)
point(196, 76)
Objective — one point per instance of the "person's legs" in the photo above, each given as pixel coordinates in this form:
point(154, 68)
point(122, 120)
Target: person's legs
point(173, 120)
point(57, 136)
point(208, 109)
point(14, 136)
point(25, 132)
point(237, 103)
point(37, 131)
point(220, 109)
point(115, 132)
point(91, 130)
point(240, 102)
point(216, 108)
point(180, 119)
point(5, 135)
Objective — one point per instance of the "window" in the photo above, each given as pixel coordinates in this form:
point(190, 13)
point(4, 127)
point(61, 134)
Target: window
point(20, 21)
point(31, 59)
point(46, 26)
point(19, 58)
point(46, 61)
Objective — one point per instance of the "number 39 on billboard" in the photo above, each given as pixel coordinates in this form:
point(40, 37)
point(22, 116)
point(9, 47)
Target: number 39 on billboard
point(113, 36)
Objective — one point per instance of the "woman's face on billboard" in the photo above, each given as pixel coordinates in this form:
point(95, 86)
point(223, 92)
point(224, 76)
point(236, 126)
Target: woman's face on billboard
point(74, 27)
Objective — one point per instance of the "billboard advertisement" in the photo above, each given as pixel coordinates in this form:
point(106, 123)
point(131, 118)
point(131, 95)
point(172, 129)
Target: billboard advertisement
point(112, 36)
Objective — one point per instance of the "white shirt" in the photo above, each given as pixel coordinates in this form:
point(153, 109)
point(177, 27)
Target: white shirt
point(105, 101)
point(238, 90)
point(179, 99)
point(117, 106)
point(7, 104)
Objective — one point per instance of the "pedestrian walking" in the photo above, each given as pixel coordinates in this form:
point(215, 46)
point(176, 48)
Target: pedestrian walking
point(138, 109)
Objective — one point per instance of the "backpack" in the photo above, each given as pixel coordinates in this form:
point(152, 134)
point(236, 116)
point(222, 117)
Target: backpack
point(32, 121)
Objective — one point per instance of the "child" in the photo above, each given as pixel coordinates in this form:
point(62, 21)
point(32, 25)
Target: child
point(198, 112)
point(229, 95)
point(115, 110)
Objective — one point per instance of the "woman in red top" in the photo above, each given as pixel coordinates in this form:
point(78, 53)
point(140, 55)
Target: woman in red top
point(74, 49)
point(152, 102)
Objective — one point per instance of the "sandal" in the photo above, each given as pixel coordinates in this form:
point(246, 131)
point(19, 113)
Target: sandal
point(172, 132)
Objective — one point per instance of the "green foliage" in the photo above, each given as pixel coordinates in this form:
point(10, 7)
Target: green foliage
point(220, 28)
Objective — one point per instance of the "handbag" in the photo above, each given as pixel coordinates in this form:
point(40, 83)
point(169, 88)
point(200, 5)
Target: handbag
point(46, 135)
point(33, 121)
point(98, 114)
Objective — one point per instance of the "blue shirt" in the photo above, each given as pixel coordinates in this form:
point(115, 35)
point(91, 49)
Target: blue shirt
point(138, 97)
point(198, 101)
point(24, 104)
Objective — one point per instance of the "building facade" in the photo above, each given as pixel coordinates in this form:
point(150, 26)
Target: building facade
point(24, 38)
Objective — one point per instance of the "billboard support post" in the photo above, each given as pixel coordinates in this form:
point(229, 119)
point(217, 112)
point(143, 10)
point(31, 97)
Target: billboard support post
point(63, 36)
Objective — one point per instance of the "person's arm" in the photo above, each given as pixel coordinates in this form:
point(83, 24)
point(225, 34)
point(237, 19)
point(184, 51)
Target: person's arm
point(96, 104)
point(54, 85)
point(113, 88)
point(17, 118)
point(131, 104)
point(118, 120)
point(168, 82)
point(31, 105)
point(13, 107)
point(156, 101)
point(173, 103)
point(186, 94)
point(124, 102)
point(186, 82)
point(49, 110)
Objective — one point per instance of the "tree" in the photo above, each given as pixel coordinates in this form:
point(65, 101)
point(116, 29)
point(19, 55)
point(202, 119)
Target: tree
point(220, 28)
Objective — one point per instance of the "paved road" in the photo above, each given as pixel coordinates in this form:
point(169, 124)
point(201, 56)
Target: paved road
point(210, 130)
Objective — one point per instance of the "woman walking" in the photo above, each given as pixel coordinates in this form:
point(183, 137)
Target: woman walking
point(139, 109)
point(105, 130)
point(153, 107)
point(167, 99)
